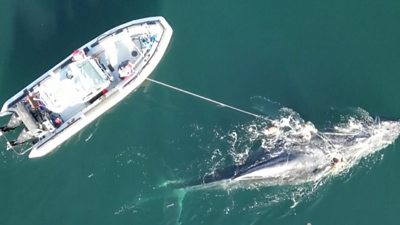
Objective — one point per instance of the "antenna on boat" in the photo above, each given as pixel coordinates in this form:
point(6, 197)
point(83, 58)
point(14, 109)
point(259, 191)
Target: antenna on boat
point(204, 98)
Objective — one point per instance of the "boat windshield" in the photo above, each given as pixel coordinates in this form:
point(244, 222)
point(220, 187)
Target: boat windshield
point(89, 72)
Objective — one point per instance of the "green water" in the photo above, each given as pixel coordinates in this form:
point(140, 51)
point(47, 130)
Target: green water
point(311, 56)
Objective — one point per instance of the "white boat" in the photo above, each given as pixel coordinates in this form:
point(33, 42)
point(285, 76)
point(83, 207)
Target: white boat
point(83, 86)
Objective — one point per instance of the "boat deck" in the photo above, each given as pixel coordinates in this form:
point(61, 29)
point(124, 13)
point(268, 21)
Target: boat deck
point(106, 64)
point(128, 45)
point(68, 89)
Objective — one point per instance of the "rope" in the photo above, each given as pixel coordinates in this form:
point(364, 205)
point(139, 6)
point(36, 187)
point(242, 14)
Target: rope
point(204, 98)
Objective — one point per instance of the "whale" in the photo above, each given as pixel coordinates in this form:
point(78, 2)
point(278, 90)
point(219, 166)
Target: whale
point(308, 157)
point(297, 158)
point(286, 167)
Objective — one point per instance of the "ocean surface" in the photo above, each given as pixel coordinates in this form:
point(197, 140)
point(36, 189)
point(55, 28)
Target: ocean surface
point(321, 59)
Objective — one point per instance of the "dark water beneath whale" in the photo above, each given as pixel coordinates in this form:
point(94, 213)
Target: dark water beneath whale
point(310, 56)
